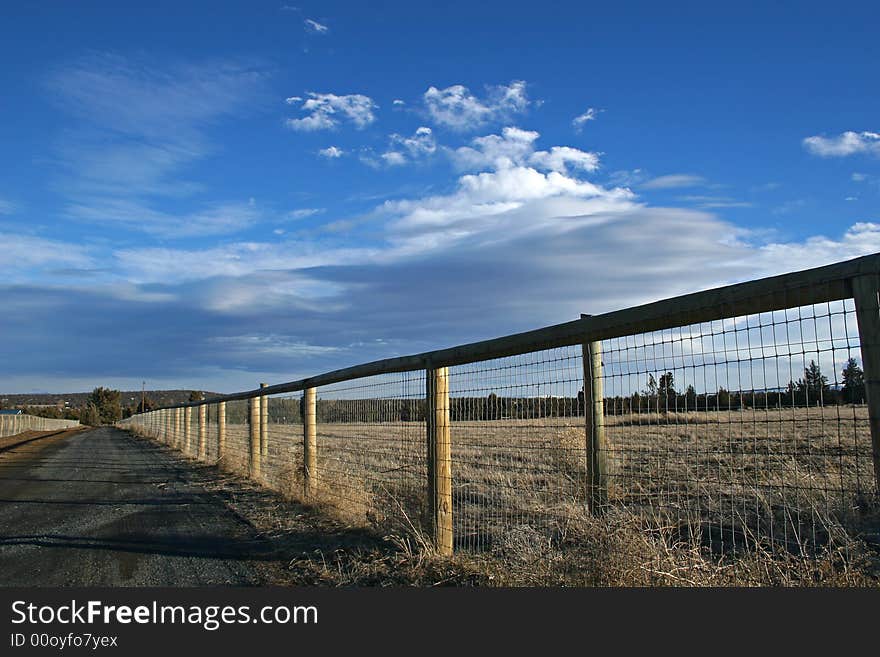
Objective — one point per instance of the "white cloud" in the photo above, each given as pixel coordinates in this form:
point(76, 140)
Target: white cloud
point(673, 181)
point(215, 219)
point(167, 265)
point(21, 254)
point(141, 123)
point(315, 27)
point(329, 110)
point(393, 158)
point(868, 179)
point(402, 150)
point(516, 147)
point(712, 202)
point(790, 206)
point(421, 144)
point(590, 115)
point(563, 158)
point(846, 143)
point(302, 213)
point(7, 207)
point(397, 102)
point(331, 152)
point(270, 345)
point(457, 108)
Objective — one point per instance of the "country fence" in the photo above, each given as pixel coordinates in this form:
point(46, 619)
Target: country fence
point(11, 425)
point(742, 419)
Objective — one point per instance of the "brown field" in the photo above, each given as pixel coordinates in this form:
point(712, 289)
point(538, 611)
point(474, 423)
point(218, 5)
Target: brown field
point(752, 496)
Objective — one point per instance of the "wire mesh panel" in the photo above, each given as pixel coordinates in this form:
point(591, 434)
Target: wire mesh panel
point(518, 447)
point(211, 443)
point(743, 434)
point(371, 453)
point(237, 450)
point(282, 465)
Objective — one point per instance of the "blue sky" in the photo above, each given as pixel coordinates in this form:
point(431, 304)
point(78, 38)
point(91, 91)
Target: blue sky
point(208, 195)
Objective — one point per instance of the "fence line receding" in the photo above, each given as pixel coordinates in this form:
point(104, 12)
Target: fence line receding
point(745, 418)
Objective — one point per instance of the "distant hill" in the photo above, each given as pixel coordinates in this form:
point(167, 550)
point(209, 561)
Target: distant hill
point(78, 399)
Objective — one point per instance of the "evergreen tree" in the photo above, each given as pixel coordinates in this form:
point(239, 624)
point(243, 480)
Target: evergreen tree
point(853, 382)
point(814, 385)
point(103, 406)
point(666, 392)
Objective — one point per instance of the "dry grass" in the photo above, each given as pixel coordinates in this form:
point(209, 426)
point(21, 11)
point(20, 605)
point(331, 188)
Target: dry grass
point(778, 497)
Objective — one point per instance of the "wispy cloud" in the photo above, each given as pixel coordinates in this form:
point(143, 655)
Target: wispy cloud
point(23, 256)
point(868, 179)
point(581, 119)
point(302, 213)
point(713, 202)
point(315, 27)
point(673, 181)
point(7, 207)
point(457, 108)
point(139, 124)
point(791, 206)
point(214, 219)
point(844, 144)
point(404, 149)
point(327, 111)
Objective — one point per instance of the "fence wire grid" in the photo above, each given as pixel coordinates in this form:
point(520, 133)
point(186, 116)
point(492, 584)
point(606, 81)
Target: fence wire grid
point(744, 434)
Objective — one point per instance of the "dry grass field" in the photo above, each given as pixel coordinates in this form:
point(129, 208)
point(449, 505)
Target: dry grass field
point(751, 496)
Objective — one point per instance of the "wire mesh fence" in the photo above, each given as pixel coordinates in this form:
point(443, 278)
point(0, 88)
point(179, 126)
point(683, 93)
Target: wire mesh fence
point(733, 431)
point(371, 455)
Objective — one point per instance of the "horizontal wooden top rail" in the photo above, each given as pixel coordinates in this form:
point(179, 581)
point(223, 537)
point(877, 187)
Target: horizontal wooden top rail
point(818, 285)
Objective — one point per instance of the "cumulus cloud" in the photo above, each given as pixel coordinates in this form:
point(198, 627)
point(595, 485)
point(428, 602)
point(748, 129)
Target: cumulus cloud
point(516, 147)
point(455, 107)
point(844, 144)
point(331, 152)
point(327, 111)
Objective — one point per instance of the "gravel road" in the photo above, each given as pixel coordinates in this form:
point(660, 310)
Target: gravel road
point(102, 508)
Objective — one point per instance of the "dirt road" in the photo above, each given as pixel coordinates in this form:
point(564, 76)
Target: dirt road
point(101, 507)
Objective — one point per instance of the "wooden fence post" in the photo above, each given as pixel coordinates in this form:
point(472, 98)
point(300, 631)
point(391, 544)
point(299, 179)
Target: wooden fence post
point(439, 458)
point(594, 428)
point(221, 429)
point(865, 294)
point(254, 435)
point(187, 430)
point(178, 418)
point(203, 432)
point(264, 424)
point(310, 442)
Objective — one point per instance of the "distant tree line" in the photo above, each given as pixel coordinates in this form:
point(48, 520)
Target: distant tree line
point(659, 396)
